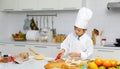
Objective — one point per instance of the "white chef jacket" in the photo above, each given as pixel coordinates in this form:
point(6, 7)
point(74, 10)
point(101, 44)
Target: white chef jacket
point(84, 45)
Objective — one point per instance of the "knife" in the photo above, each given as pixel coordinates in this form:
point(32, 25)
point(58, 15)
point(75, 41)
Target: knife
point(58, 56)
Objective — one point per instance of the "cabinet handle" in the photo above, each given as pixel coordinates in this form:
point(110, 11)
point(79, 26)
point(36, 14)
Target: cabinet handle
point(105, 51)
point(30, 9)
point(20, 45)
point(41, 46)
point(47, 8)
point(8, 9)
point(71, 8)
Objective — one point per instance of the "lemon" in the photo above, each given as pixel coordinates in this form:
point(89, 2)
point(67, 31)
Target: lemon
point(92, 65)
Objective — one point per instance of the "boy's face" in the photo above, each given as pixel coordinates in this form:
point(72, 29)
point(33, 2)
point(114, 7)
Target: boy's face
point(79, 31)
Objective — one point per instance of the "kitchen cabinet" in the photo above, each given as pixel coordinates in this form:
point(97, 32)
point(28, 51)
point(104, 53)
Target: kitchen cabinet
point(70, 4)
point(30, 5)
point(48, 4)
point(106, 53)
point(27, 5)
point(8, 5)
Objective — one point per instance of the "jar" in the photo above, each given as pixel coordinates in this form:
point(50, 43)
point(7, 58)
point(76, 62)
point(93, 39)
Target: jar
point(103, 41)
point(5, 58)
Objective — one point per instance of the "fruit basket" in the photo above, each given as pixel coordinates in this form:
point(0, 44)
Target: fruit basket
point(19, 39)
point(19, 36)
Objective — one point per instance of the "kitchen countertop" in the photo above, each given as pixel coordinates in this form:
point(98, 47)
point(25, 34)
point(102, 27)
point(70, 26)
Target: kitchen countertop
point(30, 64)
point(51, 44)
point(29, 43)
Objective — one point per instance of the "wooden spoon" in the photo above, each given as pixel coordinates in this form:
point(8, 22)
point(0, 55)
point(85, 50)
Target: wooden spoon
point(37, 56)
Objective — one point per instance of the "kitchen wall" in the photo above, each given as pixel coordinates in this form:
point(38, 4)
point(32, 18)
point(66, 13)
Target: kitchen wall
point(103, 19)
point(12, 22)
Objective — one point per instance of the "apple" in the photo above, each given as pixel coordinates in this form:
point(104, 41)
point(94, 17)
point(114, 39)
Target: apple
point(102, 67)
point(111, 68)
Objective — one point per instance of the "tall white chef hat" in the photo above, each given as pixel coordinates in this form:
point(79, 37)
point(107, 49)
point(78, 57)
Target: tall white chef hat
point(84, 15)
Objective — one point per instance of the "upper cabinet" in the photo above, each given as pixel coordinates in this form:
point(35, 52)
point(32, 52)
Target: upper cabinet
point(47, 4)
point(7, 5)
point(70, 4)
point(27, 5)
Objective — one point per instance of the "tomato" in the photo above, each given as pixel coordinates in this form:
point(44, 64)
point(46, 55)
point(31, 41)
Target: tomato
point(107, 63)
point(113, 63)
point(98, 61)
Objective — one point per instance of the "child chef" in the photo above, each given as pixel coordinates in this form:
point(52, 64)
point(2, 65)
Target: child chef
point(79, 44)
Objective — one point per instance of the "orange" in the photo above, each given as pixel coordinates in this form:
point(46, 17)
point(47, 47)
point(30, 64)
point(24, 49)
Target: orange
point(98, 61)
point(107, 63)
point(113, 63)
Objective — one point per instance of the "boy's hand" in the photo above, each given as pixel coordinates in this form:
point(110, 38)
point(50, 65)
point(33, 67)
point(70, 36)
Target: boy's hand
point(74, 54)
point(62, 51)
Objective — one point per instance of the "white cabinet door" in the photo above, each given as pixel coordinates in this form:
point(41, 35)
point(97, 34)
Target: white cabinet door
point(117, 55)
point(27, 5)
point(8, 5)
point(105, 53)
point(70, 4)
point(47, 4)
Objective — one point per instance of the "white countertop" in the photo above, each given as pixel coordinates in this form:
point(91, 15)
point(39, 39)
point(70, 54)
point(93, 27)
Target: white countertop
point(31, 64)
point(49, 44)
point(29, 42)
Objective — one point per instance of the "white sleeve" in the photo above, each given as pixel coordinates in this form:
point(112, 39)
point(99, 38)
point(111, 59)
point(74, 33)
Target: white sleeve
point(88, 52)
point(65, 45)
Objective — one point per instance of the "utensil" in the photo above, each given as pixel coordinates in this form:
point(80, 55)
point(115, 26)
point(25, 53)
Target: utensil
point(40, 23)
point(44, 29)
point(58, 56)
point(37, 56)
point(53, 30)
point(12, 59)
point(26, 24)
point(33, 51)
point(36, 21)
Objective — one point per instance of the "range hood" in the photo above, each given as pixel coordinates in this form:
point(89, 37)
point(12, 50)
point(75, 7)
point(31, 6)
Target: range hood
point(113, 5)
